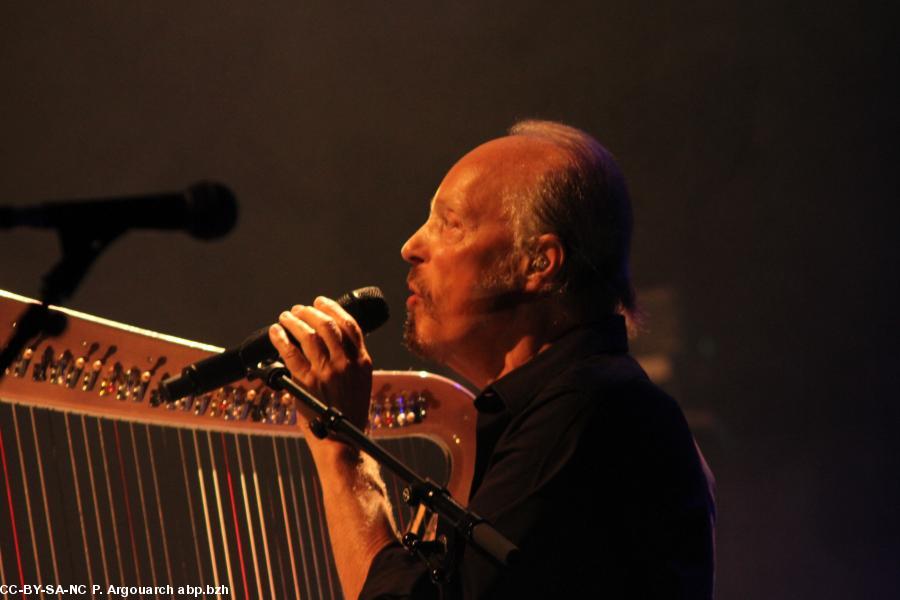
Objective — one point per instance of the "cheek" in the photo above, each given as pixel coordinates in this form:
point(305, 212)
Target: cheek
point(453, 281)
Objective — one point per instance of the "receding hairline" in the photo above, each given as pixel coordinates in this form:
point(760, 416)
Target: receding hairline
point(509, 167)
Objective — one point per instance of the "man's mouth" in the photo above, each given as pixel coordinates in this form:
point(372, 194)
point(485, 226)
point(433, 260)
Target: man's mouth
point(415, 293)
point(413, 289)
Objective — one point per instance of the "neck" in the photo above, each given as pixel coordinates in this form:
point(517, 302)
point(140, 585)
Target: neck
point(508, 342)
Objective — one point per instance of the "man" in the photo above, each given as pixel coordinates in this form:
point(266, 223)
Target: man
point(518, 281)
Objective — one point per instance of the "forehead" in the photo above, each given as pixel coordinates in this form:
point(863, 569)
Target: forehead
point(484, 181)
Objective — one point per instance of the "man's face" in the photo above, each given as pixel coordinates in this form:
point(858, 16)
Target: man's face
point(465, 269)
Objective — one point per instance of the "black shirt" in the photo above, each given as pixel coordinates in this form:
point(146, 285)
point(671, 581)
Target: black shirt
point(592, 472)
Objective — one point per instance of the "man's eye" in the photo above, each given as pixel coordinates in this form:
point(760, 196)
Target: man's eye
point(446, 223)
point(451, 229)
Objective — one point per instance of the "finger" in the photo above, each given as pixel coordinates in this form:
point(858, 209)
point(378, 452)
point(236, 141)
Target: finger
point(293, 357)
point(310, 343)
point(327, 329)
point(345, 320)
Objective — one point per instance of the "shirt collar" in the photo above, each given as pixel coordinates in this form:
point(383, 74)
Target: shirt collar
point(516, 389)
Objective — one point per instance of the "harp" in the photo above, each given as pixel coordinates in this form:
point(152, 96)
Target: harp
point(102, 483)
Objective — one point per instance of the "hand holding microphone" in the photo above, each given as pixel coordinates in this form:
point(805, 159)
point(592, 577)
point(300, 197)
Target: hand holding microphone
point(330, 358)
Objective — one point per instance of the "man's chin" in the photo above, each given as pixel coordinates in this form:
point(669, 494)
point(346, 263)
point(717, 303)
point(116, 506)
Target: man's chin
point(413, 341)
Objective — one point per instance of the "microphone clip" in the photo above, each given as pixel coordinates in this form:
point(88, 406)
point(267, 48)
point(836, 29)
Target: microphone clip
point(274, 374)
point(269, 372)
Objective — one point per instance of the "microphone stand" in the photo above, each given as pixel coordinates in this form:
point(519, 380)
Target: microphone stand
point(435, 498)
point(80, 249)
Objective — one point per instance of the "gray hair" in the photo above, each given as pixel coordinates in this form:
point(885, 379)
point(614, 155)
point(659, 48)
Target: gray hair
point(585, 203)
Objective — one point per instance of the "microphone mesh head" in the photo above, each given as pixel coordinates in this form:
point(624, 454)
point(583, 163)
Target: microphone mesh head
point(368, 306)
point(212, 210)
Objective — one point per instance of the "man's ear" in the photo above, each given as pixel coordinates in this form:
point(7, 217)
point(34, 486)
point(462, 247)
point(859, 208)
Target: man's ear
point(547, 257)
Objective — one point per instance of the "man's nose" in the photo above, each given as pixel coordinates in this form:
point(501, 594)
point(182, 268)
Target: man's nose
point(414, 251)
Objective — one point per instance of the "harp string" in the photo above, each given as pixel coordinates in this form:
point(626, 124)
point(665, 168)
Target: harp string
point(205, 504)
point(127, 502)
point(12, 511)
point(159, 505)
point(90, 469)
point(296, 520)
point(26, 491)
point(307, 517)
point(190, 505)
point(285, 518)
point(234, 516)
point(44, 498)
point(223, 531)
point(112, 505)
point(248, 513)
point(77, 487)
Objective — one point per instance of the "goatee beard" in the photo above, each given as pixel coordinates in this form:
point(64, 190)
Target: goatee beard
point(411, 340)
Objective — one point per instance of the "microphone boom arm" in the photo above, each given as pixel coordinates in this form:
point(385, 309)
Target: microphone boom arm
point(80, 248)
point(206, 210)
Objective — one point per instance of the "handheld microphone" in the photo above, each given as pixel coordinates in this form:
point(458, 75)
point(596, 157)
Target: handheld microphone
point(366, 305)
point(206, 210)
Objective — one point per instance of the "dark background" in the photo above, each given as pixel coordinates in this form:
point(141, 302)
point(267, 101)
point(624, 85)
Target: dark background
point(759, 141)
